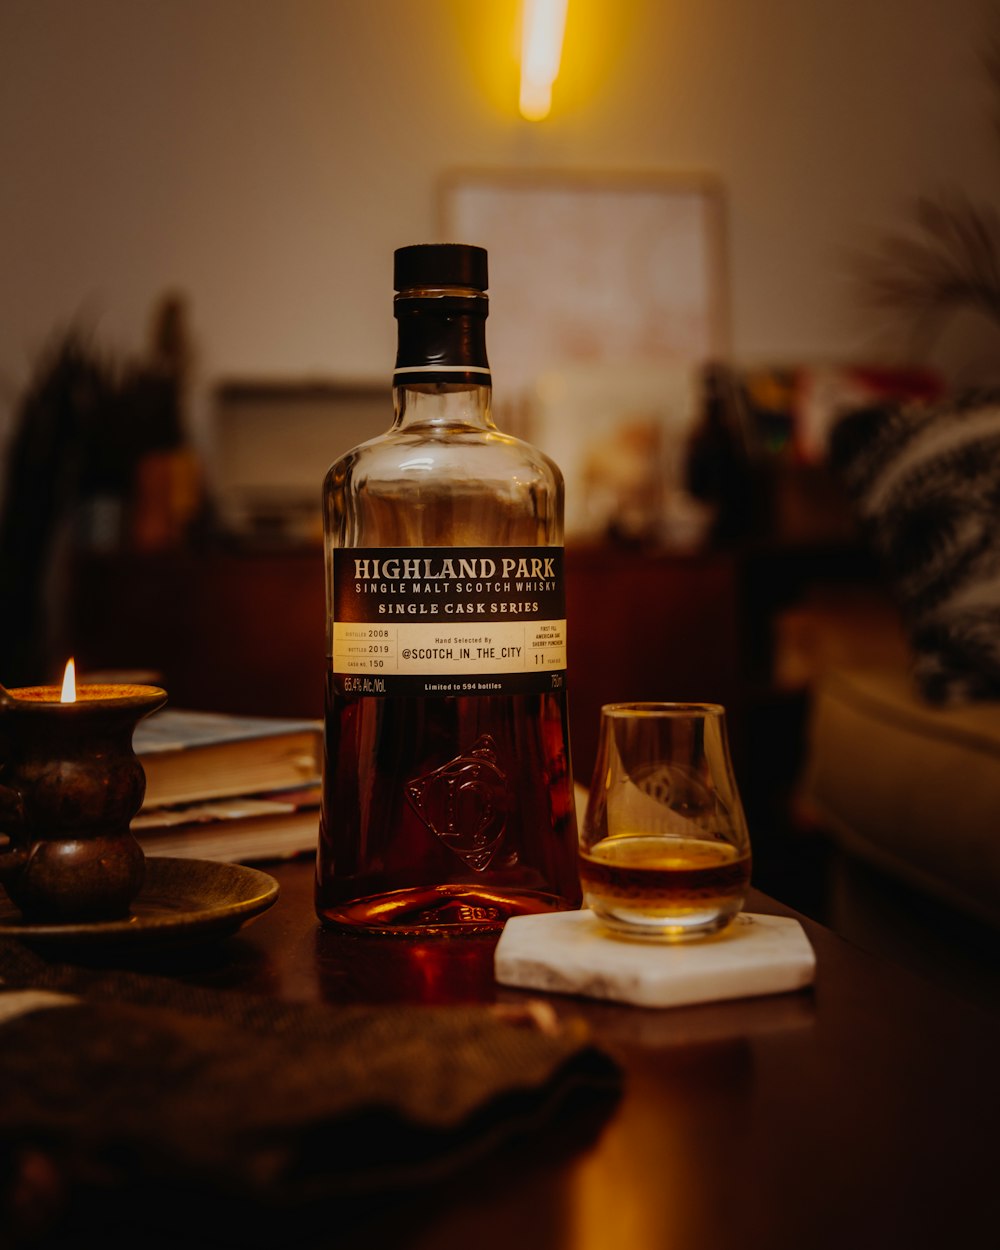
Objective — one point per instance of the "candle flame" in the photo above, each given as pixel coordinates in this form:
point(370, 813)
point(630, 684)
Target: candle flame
point(69, 683)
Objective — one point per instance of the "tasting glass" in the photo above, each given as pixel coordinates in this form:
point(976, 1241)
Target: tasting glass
point(664, 846)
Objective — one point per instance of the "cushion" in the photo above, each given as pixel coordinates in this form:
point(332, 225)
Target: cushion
point(925, 480)
point(913, 789)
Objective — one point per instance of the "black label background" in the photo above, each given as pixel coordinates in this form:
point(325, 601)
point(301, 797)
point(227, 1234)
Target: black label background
point(350, 605)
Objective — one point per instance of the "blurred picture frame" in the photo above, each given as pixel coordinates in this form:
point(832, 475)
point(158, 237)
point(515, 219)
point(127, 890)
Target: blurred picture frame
point(594, 268)
point(608, 298)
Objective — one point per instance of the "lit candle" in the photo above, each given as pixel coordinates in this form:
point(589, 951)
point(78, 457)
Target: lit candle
point(69, 788)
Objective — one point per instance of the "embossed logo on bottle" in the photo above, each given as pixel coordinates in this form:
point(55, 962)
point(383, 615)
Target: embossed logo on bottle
point(465, 803)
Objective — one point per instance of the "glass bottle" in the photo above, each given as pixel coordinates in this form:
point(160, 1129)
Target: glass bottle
point(448, 794)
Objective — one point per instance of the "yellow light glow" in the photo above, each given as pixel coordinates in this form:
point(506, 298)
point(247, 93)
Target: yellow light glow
point(69, 683)
point(542, 29)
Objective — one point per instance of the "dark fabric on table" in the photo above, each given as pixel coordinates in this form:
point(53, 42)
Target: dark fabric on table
point(148, 1085)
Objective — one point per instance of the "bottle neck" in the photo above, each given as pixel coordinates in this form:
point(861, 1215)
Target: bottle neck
point(443, 403)
point(442, 374)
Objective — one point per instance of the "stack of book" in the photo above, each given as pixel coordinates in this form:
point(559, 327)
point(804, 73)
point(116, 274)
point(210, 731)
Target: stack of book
point(235, 788)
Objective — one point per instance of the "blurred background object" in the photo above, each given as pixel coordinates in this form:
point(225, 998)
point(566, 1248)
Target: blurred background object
point(99, 461)
point(271, 439)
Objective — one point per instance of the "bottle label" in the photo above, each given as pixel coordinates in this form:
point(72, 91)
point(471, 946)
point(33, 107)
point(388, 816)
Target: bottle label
point(448, 620)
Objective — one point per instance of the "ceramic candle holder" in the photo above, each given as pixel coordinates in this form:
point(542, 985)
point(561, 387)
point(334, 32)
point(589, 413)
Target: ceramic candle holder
point(70, 784)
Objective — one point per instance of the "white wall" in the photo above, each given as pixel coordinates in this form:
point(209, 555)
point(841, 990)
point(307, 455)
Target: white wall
point(266, 156)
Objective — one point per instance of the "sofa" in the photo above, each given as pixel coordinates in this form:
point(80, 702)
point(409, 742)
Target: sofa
point(908, 787)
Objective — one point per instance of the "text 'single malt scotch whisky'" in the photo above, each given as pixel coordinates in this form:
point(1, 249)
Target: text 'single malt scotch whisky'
point(448, 796)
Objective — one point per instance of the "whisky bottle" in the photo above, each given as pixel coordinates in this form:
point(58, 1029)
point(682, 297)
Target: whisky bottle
point(448, 793)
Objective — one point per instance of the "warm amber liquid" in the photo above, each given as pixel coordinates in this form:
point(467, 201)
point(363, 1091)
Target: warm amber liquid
point(656, 877)
point(505, 840)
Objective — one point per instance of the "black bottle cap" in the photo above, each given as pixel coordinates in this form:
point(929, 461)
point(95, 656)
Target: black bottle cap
point(440, 264)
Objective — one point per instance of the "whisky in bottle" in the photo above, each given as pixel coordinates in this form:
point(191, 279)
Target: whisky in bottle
point(448, 793)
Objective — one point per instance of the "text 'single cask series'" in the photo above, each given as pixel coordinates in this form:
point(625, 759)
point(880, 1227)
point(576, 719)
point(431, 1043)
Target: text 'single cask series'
point(448, 795)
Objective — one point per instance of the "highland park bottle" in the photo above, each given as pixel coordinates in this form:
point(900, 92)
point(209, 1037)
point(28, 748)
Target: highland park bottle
point(447, 796)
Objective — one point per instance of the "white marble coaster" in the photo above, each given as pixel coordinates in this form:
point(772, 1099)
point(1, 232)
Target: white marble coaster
point(570, 952)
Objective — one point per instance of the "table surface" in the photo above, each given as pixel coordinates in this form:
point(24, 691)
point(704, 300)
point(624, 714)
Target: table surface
point(862, 1111)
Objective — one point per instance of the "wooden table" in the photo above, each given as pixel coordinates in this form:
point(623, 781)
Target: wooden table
point(862, 1112)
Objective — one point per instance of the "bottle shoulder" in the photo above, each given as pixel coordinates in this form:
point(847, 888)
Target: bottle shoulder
point(468, 487)
point(458, 452)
